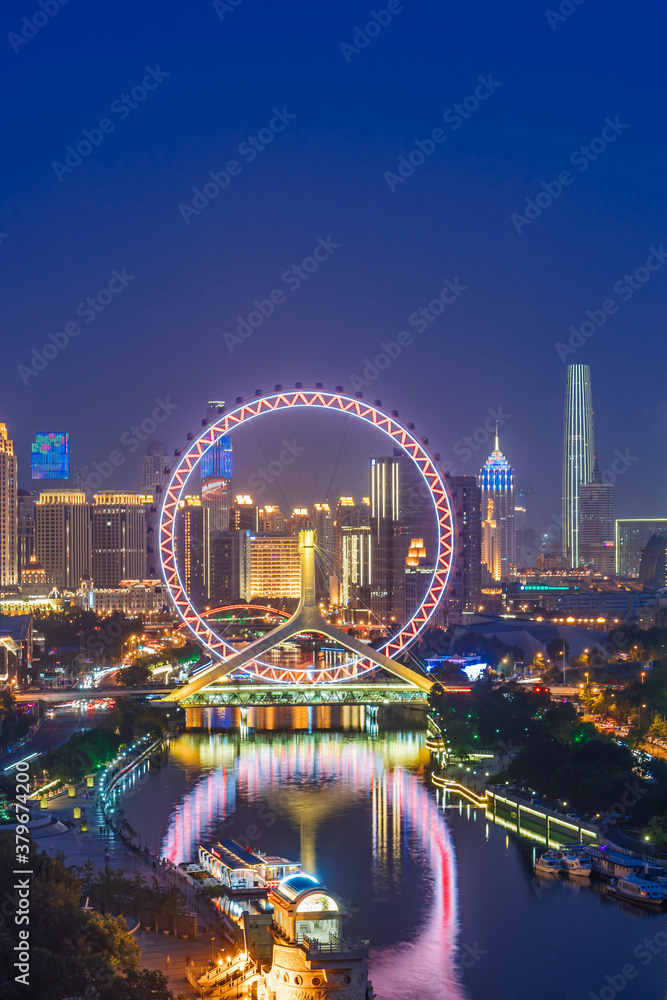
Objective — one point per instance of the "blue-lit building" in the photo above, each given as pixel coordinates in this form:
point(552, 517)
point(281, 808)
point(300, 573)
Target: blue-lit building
point(50, 456)
point(217, 469)
point(496, 482)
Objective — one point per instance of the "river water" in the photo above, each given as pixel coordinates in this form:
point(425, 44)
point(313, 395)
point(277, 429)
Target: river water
point(447, 898)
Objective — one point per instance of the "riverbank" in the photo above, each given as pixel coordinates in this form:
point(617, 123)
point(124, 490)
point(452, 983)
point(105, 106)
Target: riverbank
point(102, 845)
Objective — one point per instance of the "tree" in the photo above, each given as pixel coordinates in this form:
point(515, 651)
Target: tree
point(139, 985)
point(656, 833)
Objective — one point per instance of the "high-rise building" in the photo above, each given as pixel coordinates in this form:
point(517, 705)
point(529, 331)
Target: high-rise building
point(348, 515)
point(50, 455)
point(153, 481)
point(465, 588)
point(497, 484)
point(153, 472)
point(418, 576)
point(25, 527)
point(8, 511)
point(244, 515)
point(275, 566)
point(387, 557)
point(597, 523)
point(653, 567)
point(270, 521)
point(118, 537)
point(63, 536)
point(299, 520)
point(490, 540)
point(193, 552)
point(230, 567)
point(323, 523)
point(632, 537)
point(217, 469)
point(578, 454)
point(354, 594)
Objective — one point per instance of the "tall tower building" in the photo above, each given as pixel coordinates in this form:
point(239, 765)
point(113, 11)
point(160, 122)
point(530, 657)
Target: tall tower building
point(155, 462)
point(497, 484)
point(217, 468)
point(578, 453)
point(63, 536)
point(118, 535)
point(8, 511)
point(26, 527)
point(244, 515)
point(597, 524)
point(193, 552)
point(348, 515)
point(230, 567)
point(387, 556)
point(323, 523)
point(465, 589)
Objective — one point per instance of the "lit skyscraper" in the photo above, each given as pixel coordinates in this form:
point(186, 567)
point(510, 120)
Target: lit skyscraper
point(63, 536)
point(8, 508)
point(118, 537)
point(578, 453)
point(50, 456)
point(496, 481)
point(597, 524)
point(216, 474)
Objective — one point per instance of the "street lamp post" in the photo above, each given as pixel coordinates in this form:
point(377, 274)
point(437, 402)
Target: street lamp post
point(212, 943)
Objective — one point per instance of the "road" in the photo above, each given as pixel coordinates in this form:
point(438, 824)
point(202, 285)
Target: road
point(52, 733)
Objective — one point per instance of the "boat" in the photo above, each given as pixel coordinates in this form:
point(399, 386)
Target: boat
point(549, 864)
point(575, 864)
point(614, 864)
point(637, 890)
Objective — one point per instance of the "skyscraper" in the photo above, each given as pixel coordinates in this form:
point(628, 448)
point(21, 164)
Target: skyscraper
point(155, 462)
point(193, 552)
point(217, 467)
point(324, 527)
point(8, 491)
point(63, 536)
point(597, 524)
point(632, 537)
point(118, 537)
point(230, 567)
point(387, 567)
point(465, 589)
point(26, 527)
point(497, 484)
point(50, 455)
point(578, 454)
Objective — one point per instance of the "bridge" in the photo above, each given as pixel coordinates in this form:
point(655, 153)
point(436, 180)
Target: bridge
point(251, 694)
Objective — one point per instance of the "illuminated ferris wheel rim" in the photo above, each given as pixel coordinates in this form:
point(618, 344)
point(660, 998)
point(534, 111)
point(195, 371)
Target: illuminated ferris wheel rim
point(373, 415)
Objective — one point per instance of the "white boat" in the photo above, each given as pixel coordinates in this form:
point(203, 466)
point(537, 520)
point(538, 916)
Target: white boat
point(637, 890)
point(549, 864)
point(573, 864)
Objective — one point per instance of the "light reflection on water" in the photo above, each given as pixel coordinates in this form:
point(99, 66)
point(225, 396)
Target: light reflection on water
point(308, 783)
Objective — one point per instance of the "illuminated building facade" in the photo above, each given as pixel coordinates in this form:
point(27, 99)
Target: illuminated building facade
point(491, 542)
point(387, 559)
point(193, 539)
point(578, 454)
point(63, 541)
point(355, 572)
point(244, 515)
point(418, 573)
point(632, 537)
point(323, 522)
point(496, 481)
point(465, 589)
point(230, 567)
point(8, 511)
point(270, 521)
point(118, 537)
point(597, 524)
point(217, 469)
point(50, 456)
point(25, 508)
point(275, 567)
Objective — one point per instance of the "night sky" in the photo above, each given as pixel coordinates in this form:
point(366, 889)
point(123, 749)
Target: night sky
point(332, 124)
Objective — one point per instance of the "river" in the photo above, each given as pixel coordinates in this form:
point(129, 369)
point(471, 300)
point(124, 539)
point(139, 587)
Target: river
point(447, 899)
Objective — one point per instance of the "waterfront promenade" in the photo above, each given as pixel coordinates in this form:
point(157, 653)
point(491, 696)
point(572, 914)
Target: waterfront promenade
point(158, 951)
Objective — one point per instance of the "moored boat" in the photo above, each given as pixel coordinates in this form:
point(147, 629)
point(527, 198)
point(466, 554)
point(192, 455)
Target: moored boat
point(549, 864)
point(575, 864)
point(637, 890)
